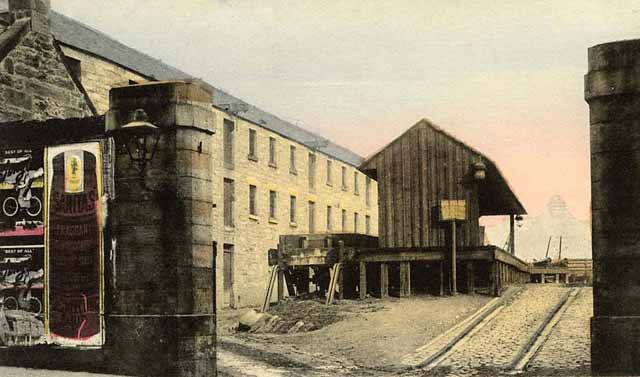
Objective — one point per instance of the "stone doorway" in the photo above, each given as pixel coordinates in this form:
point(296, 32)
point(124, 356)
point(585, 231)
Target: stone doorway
point(227, 265)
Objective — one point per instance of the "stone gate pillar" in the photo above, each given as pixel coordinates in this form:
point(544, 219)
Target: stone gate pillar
point(160, 315)
point(612, 89)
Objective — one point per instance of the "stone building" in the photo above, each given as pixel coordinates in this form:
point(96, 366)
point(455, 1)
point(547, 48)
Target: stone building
point(35, 80)
point(269, 176)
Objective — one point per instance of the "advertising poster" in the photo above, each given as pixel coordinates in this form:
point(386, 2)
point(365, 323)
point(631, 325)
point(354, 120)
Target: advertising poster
point(21, 246)
point(74, 245)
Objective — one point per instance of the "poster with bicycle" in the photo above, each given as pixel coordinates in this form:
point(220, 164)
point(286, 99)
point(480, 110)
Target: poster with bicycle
point(21, 246)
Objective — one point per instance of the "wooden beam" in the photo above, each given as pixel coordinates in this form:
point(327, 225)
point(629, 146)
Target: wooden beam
point(341, 259)
point(384, 280)
point(470, 278)
point(498, 278)
point(441, 278)
point(454, 280)
point(403, 257)
point(363, 280)
point(512, 234)
point(405, 279)
point(492, 278)
point(303, 280)
point(280, 270)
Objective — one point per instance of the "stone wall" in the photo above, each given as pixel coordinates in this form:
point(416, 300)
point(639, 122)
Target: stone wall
point(98, 75)
point(34, 82)
point(612, 91)
point(161, 317)
point(251, 236)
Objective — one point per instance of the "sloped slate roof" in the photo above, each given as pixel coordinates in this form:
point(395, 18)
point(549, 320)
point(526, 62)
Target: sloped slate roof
point(286, 129)
point(75, 34)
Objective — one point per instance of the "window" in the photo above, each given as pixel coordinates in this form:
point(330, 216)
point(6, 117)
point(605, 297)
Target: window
point(329, 177)
point(273, 204)
point(312, 171)
point(253, 145)
point(292, 160)
point(356, 189)
point(272, 152)
point(74, 65)
point(329, 220)
point(368, 191)
point(355, 222)
point(292, 209)
point(312, 217)
point(344, 178)
point(229, 203)
point(367, 224)
point(228, 136)
point(253, 200)
point(344, 220)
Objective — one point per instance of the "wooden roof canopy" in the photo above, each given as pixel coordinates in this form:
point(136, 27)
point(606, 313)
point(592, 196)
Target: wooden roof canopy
point(495, 195)
point(39, 133)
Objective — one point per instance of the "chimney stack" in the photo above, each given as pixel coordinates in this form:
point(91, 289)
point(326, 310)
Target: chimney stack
point(37, 10)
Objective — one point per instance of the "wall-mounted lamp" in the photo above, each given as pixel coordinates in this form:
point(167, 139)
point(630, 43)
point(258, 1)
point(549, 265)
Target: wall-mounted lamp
point(479, 171)
point(519, 221)
point(140, 138)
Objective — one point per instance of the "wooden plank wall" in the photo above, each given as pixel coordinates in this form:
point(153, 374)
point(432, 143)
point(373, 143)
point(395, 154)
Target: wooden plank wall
point(415, 172)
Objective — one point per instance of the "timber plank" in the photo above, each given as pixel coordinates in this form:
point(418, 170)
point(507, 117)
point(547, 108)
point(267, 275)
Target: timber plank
point(388, 200)
point(398, 195)
point(406, 190)
point(382, 208)
point(433, 185)
point(384, 280)
point(425, 215)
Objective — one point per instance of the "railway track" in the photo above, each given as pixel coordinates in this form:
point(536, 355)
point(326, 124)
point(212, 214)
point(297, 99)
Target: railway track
point(507, 337)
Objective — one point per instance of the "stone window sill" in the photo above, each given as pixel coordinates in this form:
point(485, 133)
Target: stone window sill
point(272, 220)
point(273, 165)
point(329, 184)
point(293, 172)
point(252, 158)
point(345, 188)
point(293, 224)
point(229, 228)
point(254, 217)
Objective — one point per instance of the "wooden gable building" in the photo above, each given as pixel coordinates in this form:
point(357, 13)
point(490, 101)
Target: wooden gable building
point(425, 166)
point(419, 174)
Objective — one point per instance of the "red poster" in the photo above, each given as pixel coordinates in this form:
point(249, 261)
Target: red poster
point(74, 246)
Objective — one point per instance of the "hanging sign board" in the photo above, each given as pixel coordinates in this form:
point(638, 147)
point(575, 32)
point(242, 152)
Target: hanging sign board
point(452, 210)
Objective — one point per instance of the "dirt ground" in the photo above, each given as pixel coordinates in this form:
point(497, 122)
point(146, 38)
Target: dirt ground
point(370, 334)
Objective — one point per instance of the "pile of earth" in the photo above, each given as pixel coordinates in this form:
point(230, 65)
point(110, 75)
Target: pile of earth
point(294, 315)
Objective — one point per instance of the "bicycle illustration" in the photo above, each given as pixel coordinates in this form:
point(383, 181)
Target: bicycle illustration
point(22, 290)
point(23, 198)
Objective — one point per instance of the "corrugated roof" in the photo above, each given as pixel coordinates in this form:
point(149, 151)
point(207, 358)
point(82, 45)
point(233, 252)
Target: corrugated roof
point(75, 34)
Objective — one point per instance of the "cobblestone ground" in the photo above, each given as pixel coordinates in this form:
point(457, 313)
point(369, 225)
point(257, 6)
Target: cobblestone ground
point(21, 372)
point(567, 350)
point(492, 349)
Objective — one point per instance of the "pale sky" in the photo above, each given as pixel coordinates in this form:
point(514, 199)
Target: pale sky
point(504, 76)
